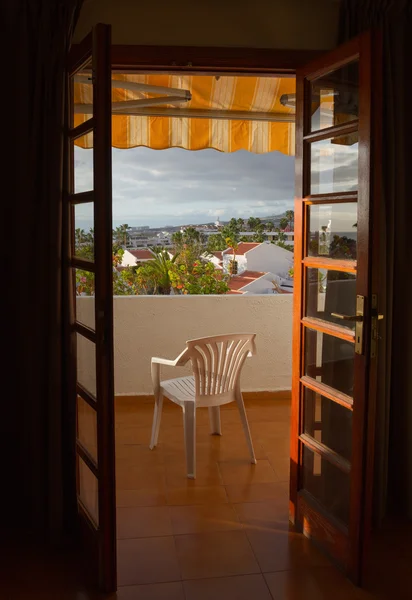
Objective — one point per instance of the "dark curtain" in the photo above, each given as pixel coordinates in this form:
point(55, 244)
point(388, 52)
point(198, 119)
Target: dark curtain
point(393, 492)
point(36, 473)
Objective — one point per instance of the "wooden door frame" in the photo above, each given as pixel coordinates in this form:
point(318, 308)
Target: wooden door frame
point(194, 60)
point(255, 61)
point(100, 534)
point(208, 60)
point(187, 60)
point(375, 158)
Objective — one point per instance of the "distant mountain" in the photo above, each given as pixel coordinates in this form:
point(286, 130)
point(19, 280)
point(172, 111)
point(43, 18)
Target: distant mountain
point(274, 217)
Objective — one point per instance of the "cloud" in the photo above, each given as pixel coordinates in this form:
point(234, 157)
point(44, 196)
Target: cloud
point(334, 167)
point(218, 212)
point(175, 186)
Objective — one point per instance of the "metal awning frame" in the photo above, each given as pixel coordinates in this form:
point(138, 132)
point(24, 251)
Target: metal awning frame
point(155, 107)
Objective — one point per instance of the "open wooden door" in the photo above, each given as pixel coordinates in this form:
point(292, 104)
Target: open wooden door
point(89, 269)
point(334, 304)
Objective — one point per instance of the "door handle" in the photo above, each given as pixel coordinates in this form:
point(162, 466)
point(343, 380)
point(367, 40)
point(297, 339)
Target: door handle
point(347, 317)
point(358, 319)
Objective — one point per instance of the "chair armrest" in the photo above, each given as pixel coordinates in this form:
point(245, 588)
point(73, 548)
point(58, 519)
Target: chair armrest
point(178, 362)
point(163, 361)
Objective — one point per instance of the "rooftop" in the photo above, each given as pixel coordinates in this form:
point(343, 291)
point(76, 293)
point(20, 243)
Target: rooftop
point(142, 254)
point(242, 248)
point(237, 282)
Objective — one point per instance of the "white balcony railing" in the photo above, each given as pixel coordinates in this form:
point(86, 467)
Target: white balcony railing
point(146, 326)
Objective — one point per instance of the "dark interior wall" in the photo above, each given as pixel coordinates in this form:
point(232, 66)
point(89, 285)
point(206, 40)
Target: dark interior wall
point(33, 476)
point(298, 24)
point(393, 456)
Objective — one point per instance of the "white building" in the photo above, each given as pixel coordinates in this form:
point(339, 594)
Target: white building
point(255, 282)
point(133, 257)
point(164, 238)
point(143, 237)
point(264, 258)
point(289, 235)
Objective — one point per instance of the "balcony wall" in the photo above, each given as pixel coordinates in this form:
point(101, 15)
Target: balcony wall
point(147, 326)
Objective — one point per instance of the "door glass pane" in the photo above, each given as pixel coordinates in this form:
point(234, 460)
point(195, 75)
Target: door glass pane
point(83, 163)
point(335, 97)
point(328, 484)
point(330, 292)
point(85, 302)
point(330, 360)
point(88, 490)
point(87, 426)
point(334, 165)
point(83, 94)
point(332, 230)
point(84, 230)
point(328, 422)
point(86, 363)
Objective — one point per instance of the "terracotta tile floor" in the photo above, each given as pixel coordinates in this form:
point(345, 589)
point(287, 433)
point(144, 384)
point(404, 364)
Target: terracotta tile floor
point(225, 535)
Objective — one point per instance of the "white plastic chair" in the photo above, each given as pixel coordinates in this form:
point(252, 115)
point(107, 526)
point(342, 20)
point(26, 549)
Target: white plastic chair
point(217, 363)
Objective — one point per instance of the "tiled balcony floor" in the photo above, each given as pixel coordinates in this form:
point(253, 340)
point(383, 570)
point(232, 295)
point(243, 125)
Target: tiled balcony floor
point(225, 535)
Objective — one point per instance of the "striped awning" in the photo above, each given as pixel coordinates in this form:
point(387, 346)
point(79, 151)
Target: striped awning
point(221, 112)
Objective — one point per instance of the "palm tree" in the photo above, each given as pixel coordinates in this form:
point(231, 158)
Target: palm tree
point(216, 243)
point(84, 243)
point(232, 243)
point(290, 216)
point(252, 222)
point(189, 237)
point(269, 226)
point(160, 267)
point(89, 237)
point(121, 234)
point(283, 223)
point(234, 225)
point(177, 240)
point(241, 224)
point(79, 236)
point(190, 234)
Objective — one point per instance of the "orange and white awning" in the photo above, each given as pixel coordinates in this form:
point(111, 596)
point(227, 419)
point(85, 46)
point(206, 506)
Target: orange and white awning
point(195, 112)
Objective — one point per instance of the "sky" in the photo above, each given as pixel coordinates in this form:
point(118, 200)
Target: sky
point(178, 187)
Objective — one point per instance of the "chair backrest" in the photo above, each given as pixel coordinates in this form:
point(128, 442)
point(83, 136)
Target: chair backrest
point(217, 362)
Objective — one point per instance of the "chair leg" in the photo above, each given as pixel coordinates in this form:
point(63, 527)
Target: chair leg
point(214, 418)
point(242, 411)
point(189, 423)
point(157, 416)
